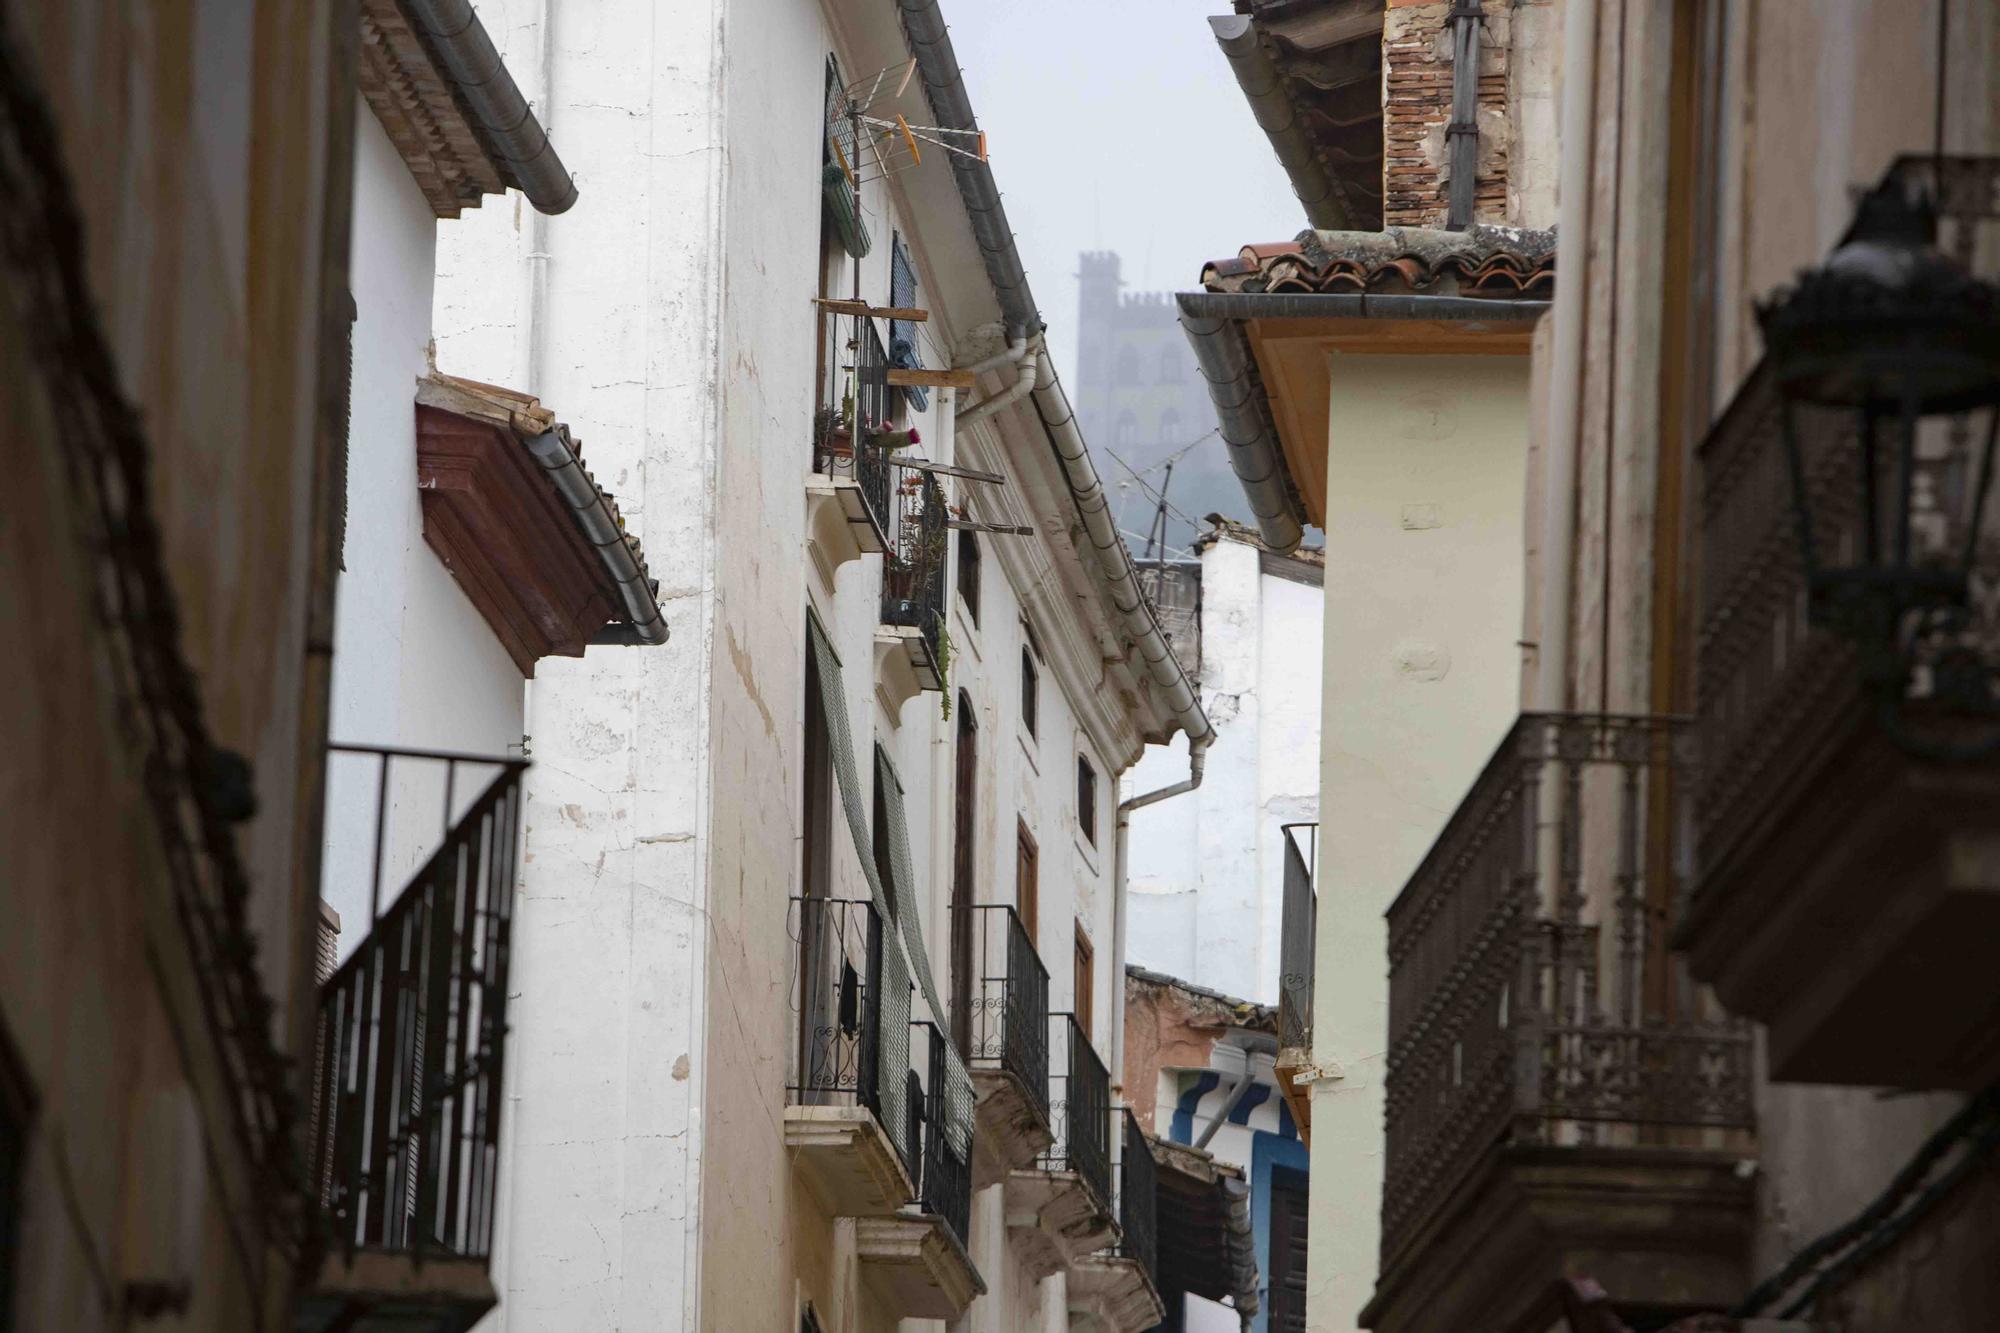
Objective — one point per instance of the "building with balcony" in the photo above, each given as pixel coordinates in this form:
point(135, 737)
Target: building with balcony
point(173, 256)
point(814, 966)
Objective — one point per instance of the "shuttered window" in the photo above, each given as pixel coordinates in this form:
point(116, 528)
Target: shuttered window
point(902, 332)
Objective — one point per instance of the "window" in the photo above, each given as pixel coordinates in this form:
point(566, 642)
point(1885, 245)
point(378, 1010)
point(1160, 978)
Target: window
point(1170, 360)
point(1031, 691)
point(817, 864)
point(1170, 429)
point(1086, 799)
point(1125, 433)
point(965, 795)
point(968, 573)
point(902, 333)
point(1086, 982)
point(1027, 878)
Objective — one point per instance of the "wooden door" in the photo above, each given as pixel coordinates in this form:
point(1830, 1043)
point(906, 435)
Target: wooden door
point(964, 806)
point(1288, 1250)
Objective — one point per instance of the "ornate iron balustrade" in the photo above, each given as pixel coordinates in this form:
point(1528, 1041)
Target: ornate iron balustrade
point(913, 575)
point(1010, 1001)
point(412, 1026)
point(856, 402)
point(839, 1057)
point(1079, 1109)
point(1299, 928)
point(1531, 998)
point(944, 1186)
point(1138, 1197)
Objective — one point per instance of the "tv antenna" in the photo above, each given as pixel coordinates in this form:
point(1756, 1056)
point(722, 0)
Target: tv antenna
point(863, 115)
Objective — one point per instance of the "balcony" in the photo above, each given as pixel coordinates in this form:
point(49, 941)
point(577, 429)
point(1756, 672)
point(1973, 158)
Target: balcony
point(848, 490)
point(1059, 1207)
point(1008, 1055)
point(1847, 886)
point(1118, 1288)
point(1298, 936)
point(1559, 1098)
point(910, 644)
point(916, 1260)
point(405, 1136)
point(850, 1070)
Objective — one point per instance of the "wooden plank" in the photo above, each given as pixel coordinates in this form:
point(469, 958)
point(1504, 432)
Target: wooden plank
point(969, 473)
point(909, 314)
point(1001, 529)
point(931, 379)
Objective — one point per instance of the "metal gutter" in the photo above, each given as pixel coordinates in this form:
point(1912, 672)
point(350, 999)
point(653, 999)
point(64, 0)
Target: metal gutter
point(644, 623)
point(1263, 87)
point(944, 87)
point(506, 126)
point(1212, 322)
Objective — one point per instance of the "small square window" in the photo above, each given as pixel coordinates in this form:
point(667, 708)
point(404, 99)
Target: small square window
point(968, 573)
point(1086, 799)
point(1031, 691)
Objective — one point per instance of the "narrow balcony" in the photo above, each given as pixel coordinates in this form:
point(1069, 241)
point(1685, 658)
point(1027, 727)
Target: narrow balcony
point(1559, 1098)
point(849, 1086)
point(1117, 1289)
point(1008, 1031)
point(848, 489)
point(916, 1259)
point(1848, 886)
point(1060, 1206)
point(912, 633)
point(1297, 940)
point(405, 1141)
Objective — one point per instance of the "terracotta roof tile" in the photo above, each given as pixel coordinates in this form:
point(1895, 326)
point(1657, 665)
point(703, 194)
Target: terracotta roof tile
point(1498, 262)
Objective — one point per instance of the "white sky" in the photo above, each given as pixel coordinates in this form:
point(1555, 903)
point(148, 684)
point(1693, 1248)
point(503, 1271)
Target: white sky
point(1117, 125)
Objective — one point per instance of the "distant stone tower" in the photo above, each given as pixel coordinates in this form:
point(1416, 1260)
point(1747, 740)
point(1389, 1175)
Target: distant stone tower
point(1140, 395)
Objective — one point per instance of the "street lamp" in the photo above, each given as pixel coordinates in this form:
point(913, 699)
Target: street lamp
point(1872, 348)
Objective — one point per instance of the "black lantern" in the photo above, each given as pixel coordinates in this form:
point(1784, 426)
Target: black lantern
point(1884, 349)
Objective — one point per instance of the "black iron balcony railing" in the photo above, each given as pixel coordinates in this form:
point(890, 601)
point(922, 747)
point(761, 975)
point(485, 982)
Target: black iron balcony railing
point(412, 1025)
point(838, 1061)
point(1138, 1197)
point(1010, 1001)
point(1298, 930)
point(1531, 997)
point(913, 575)
point(856, 404)
point(944, 1185)
point(1079, 1109)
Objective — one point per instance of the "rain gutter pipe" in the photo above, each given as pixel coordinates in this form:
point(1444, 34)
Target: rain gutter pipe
point(1024, 383)
point(1263, 88)
point(1210, 320)
point(944, 87)
point(1558, 537)
point(507, 127)
point(644, 623)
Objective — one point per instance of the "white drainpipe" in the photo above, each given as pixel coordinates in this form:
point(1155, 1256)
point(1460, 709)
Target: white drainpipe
point(1024, 379)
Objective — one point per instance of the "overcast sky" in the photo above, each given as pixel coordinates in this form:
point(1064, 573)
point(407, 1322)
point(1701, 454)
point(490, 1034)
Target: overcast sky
point(1117, 125)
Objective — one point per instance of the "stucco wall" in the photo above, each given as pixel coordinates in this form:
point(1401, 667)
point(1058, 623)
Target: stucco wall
point(1206, 870)
point(202, 255)
point(1419, 685)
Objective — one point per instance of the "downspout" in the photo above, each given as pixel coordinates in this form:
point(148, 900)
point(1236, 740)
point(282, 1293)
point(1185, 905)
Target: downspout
point(1558, 538)
point(1197, 759)
point(1024, 382)
point(1462, 134)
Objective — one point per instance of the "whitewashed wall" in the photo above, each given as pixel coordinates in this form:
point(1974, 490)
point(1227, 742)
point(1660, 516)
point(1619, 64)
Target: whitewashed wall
point(415, 664)
point(1206, 870)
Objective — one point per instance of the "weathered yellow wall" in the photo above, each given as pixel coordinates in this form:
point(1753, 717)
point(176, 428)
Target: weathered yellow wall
point(1425, 468)
point(195, 134)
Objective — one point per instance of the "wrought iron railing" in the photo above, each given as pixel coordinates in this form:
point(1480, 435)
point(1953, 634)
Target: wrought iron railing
point(1009, 1024)
point(839, 986)
point(913, 575)
point(1138, 1197)
point(856, 404)
point(1531, 997)
point(412, 1026)
point(1079, 1109)
point(1299, 926)
point(944, 1186)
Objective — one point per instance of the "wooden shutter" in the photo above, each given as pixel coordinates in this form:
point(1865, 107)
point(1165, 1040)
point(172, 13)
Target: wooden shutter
point(1086, 982)
point(1027, 881)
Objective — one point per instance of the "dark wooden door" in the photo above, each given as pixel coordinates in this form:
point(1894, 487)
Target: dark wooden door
point(1288, 1250)
point(817, 938)
point(963, 807)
